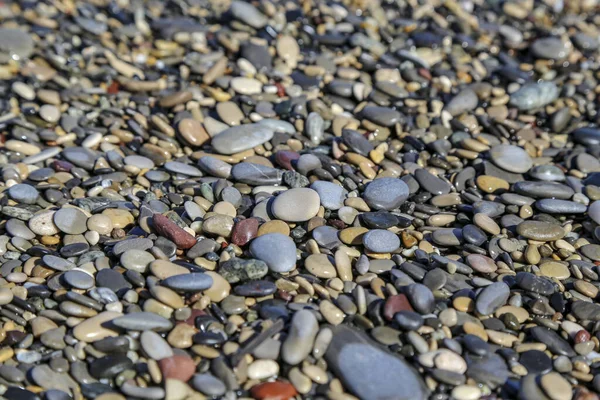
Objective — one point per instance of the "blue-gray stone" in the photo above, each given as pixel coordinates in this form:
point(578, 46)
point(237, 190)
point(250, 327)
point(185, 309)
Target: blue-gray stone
point(242, 137)
point(381, 241)
point(256, 174)
point(23, 193)
point(555, 206)
point(386, 193)
point(534, 95)
point(193, 282)
point(369, 371)
point(492, 297)
point(275, 249)
point(332, 196)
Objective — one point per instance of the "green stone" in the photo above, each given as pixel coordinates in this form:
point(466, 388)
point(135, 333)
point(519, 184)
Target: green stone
point(238, 270)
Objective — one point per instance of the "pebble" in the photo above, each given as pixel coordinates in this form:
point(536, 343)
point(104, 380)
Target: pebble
point(240, 138)
point(511, 158)
point(296, 205)
point(381, 241)
point(299, 200)
point(331, 195)
point(386, 193)
point(534, 95)
point(369, 372)
point(284, 260)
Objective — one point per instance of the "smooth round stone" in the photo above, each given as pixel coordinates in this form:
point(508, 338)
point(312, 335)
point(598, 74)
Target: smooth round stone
point(408, 320)
point(511, 158)
point(332, 196)
point(141, 321)
point(466, 100)
point(481, 263)
point(255, 289)
point(534, 95)
point(556, 206)
point(192, 132)
point(15, 44)
point(556, 387)
point(181, 168)
point(540, 230)
point(80, 157)
point(553, 269)
point(549, 48)
point(431, 183)
point(544, 190)
point(386, 193)
point(248, 14)
point(71, 220)
point(256, 174)
point(17, 228)
point(242, 137)
point(379, 220)
point(367, 371)
point(447, 237)
point(357, 142)
point(49, 113)
point(139, 161)
point(109, 278)
point(100, 223)
point(136, 260)
point(536, 362)
point(208, 384)
point(594, 211)
point(57, 263)
point(299, 342)
point(248, 86)
point(473, 234)
point(550, 173)
point(79, 279)
point(591, 251)
point(307, 163)
point(24, 90)
point(533, 283)
point(215, 167)
point(23, 193)
point(157, 176)
point(383, 116)
point(492, 297)
point(320, 265)
point(587, 135)
point(381, 241)
point(296, 205)
point(327, 236)
point(155, 346)
point(421, 298)
point(556, 344)
point(188, 282)
point(283, 260)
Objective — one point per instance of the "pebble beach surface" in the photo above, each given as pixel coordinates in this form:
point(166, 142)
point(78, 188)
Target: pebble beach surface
point(304, 199)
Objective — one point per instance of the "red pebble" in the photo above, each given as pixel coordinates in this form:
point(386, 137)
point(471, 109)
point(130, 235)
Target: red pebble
point(113, 88)
point(280, 89)
point(273, 391)
point(244, 231)
point(395, 304)
point(285, 158)
point(178, 367)
point(582, 336)
point(167, 228)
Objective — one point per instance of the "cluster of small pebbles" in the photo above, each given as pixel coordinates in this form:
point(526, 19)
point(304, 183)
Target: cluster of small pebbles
point(302, 199)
